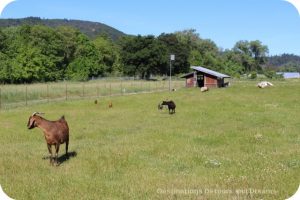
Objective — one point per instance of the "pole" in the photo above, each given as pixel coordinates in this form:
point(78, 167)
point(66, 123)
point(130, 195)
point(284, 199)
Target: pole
point(172, 57)
point(170, 75)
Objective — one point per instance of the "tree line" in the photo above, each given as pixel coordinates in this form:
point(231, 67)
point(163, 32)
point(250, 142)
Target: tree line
point(37, 53)
point(284, 63)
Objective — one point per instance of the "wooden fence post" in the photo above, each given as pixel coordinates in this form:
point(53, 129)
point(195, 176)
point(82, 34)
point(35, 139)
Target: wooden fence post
point(48, 93)
point(26, 95)
point(109, 89)
point(121, 87)
point(66, 92)
point(0, 100)
point(83, 90)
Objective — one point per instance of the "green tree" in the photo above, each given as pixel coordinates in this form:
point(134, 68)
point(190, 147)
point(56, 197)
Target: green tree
point(51, 52)
point(5, 69)
point(180, 50)
point(86, 61)
point(203, 52)
point(232, 63)
point(143, 55)
point(259, 53)
point(252, 54)
point(108, 54)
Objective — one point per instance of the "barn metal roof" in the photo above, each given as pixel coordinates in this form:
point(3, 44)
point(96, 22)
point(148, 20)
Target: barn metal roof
point(187, 75)
point(210, 72)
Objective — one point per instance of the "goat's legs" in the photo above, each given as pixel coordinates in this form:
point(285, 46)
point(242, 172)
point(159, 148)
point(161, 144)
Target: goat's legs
point(67, 146)
point(50, 152)
point(56, 153)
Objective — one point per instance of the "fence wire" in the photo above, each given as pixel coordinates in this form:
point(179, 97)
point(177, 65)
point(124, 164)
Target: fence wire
point(12, 96)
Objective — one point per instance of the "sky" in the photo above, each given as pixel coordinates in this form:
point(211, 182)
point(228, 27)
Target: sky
point(276, 23)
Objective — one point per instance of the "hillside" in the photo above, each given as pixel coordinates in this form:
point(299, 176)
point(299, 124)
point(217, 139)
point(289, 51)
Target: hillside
point(284, 59)
point(91, 29)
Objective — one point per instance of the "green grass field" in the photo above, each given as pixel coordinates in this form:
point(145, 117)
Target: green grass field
point(235, 143)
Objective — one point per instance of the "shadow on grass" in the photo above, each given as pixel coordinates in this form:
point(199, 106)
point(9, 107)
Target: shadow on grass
point(63, 158)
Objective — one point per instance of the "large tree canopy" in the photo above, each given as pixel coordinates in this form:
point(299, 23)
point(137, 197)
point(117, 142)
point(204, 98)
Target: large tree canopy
point(252, 54)
point(143, 56)
point(39, 53)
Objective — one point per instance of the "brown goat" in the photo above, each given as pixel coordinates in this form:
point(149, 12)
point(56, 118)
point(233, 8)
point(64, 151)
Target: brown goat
point(55, 132)
point(171, 106)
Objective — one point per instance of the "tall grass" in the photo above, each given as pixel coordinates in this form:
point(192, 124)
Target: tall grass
point(235, 143)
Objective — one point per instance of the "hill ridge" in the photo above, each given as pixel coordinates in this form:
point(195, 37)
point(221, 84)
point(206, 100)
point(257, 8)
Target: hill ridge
point(91, 29)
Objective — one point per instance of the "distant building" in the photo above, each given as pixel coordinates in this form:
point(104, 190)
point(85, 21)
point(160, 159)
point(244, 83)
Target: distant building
point(203, 77)
point(288, 75)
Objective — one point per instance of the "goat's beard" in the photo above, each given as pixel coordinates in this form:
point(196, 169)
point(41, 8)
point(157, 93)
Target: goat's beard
point(31, 127)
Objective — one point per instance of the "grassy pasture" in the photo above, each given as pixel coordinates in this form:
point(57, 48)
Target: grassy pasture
point(235, 143)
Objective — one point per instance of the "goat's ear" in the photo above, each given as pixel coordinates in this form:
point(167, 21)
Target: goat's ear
point(30, 123)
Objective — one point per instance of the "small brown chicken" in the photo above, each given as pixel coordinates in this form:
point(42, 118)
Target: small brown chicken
point(96, 101)
point(110, 105)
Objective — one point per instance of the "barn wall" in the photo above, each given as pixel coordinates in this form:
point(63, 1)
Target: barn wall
point(210, 81)
point(190, 82)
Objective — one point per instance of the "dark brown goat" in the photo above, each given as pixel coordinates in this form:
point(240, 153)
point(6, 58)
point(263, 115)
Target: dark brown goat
point(56, 133)
point(171, 106)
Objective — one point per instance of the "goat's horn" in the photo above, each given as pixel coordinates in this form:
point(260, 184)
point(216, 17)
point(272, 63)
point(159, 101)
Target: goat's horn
point(37, 113)
point(34, 113)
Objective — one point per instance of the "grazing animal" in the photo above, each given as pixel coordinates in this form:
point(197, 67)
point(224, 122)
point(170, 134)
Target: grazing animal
point(96, 101)
point(110, 105)
point(264, 84)
point(160, 106)
point(204, 89)
point(55, 132)
point(171, 106)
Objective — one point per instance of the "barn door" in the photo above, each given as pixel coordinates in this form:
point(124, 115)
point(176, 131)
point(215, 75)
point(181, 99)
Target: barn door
point(200, 80)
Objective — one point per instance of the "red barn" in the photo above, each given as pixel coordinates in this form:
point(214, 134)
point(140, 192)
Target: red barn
point(203, 77)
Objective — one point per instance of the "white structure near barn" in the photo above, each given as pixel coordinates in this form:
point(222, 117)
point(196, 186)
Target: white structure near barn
point(288, 75)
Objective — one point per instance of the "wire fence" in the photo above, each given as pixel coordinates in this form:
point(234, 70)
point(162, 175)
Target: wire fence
point(25, 95)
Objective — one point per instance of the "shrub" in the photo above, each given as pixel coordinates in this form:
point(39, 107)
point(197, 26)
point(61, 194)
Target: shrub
point(253, 75)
